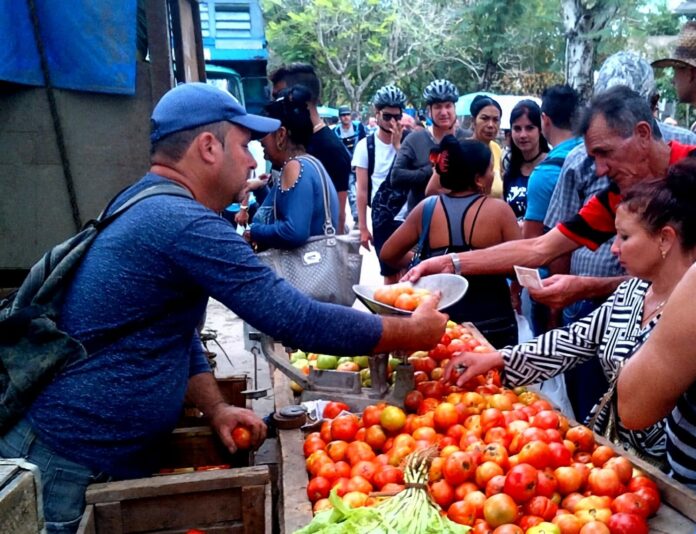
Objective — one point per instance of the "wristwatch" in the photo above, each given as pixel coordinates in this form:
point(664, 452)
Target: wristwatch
point(456, 264)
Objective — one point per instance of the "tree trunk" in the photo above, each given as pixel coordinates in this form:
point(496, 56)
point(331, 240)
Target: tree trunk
point(582, 24)
point(580, 55)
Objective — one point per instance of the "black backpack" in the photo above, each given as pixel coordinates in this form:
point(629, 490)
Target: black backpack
point(32, 347)
point(370, 140)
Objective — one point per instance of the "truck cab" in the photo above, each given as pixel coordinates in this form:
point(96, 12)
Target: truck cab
point(235, 49)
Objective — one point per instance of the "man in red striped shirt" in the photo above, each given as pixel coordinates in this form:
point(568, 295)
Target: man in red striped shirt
point(622, 137)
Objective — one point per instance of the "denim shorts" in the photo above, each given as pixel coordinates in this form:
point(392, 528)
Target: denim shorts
point(63, 481)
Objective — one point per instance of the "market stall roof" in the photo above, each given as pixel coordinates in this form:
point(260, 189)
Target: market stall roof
point(326, 111)
point(507, 102)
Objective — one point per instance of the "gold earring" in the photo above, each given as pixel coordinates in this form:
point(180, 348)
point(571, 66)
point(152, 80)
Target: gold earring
point(663, 253)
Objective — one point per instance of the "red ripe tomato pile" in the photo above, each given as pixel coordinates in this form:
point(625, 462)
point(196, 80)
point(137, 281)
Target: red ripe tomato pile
point(507, 462)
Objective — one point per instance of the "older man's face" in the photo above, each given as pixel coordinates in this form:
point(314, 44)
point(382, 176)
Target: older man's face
point(624, 160)
point(685, 84)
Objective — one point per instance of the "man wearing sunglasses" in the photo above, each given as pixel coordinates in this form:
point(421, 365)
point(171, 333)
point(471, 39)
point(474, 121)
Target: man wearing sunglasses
point(412, 168)
point(373, 160)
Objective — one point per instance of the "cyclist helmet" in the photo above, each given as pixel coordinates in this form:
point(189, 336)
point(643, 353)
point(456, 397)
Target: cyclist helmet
point(440, 91)
point(389, 96)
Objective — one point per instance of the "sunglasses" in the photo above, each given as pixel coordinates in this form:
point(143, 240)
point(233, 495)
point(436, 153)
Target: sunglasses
point(389, 116)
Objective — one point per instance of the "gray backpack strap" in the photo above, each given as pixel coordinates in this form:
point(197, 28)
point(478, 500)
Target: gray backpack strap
point(47, 275)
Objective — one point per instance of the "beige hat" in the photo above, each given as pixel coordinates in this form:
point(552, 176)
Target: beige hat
point(685, 51)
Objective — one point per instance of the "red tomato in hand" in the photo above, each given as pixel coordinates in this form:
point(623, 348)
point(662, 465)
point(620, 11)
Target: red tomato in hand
point(242, 437)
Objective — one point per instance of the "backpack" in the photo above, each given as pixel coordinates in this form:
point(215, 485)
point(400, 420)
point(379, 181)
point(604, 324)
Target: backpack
point(32, 347)
point(371, 163)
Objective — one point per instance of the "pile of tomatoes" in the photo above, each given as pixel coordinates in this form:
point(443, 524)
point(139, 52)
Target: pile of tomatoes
point(402, 296)
point(508, 463)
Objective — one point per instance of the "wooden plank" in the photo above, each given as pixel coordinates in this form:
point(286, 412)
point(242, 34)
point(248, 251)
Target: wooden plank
point(188, 510)
point(108, 517)
point(87, 524)
point(7, 472)
point(294, 507)
point(253, 512)
point(177, 484)
point(18, 512)
point(161, 74)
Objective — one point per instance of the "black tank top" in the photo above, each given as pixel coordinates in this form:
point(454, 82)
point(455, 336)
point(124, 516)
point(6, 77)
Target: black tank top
point(487, 301)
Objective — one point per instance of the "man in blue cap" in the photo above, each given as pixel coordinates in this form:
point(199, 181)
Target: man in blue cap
point(140, 291)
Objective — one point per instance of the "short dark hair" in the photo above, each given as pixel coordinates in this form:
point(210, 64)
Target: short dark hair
point(299, 74)
point(175, 145)
point(559, 103)
point(466, 160)
point(668, 202)
point(290, 108)
point(622, 108)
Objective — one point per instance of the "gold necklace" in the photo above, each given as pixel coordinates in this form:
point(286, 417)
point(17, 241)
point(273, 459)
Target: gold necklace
point(655, 310)
point(318, 126)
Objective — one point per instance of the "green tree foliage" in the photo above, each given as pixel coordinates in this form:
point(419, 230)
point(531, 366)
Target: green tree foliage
point(511, 46)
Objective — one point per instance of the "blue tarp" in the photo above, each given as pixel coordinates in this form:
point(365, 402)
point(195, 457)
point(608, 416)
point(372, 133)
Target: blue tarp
point(89, 44)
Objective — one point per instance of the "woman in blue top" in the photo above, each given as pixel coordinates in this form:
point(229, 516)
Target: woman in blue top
point(293, 211)
point(528, 148)
point(464, 218)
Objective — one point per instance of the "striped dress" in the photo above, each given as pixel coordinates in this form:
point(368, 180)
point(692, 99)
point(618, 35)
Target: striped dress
point(611, 333)
point(681, 439)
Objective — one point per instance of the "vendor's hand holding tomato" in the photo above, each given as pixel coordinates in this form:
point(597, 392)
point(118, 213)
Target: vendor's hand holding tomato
point(473, 364)
point(428, 323)
point(226, 417)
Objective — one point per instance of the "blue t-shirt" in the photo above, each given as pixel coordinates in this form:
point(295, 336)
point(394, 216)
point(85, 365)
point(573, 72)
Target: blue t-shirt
point(543, 179)
point(143, 285)
point(287, 219)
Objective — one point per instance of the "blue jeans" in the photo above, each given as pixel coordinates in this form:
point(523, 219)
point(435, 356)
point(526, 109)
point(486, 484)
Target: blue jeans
point(63, 481)
point(353, 197)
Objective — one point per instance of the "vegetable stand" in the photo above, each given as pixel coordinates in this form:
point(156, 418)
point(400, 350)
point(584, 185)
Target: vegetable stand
point(676, 514)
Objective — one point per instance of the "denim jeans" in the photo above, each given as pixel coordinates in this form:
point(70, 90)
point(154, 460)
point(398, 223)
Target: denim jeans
point(353, 197)
point(63, 481)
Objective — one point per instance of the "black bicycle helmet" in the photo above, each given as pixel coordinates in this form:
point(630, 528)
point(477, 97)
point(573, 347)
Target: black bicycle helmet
point(389, 96)
point(440, 91)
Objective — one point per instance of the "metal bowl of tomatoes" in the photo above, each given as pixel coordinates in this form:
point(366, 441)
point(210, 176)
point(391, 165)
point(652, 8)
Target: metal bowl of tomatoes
point(403, 298)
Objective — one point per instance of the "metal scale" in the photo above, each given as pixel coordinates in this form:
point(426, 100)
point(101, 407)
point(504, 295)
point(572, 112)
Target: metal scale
point(346, 386)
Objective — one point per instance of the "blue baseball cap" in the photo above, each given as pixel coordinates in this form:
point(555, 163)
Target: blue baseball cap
point(190, 105)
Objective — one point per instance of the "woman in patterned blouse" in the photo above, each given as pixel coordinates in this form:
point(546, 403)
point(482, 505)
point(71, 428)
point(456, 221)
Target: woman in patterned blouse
point(656, 243)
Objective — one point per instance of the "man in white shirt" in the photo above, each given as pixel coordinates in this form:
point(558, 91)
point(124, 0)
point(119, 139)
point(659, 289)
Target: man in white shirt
point(375, 154)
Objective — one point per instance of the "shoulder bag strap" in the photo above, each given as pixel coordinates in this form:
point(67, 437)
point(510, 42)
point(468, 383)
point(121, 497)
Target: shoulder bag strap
point(329, 230)
point(426, 219)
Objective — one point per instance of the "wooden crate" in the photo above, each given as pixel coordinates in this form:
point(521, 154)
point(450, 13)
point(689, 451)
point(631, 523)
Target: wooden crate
point(218, 502)
point(18, 503)
point(192, 447)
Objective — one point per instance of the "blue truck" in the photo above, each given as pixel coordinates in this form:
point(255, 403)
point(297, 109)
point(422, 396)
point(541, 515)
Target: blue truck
point(235, 49)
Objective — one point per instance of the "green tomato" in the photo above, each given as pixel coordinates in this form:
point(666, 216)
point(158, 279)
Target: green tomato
point(298, 355)
point(544, 528)
point(362, 361)
point(324, 361)
point(344, 359)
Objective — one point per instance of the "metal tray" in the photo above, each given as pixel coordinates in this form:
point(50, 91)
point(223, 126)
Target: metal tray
point(452, 287)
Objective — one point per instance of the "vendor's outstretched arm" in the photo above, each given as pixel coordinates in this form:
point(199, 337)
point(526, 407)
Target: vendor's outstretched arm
point(500, 259)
